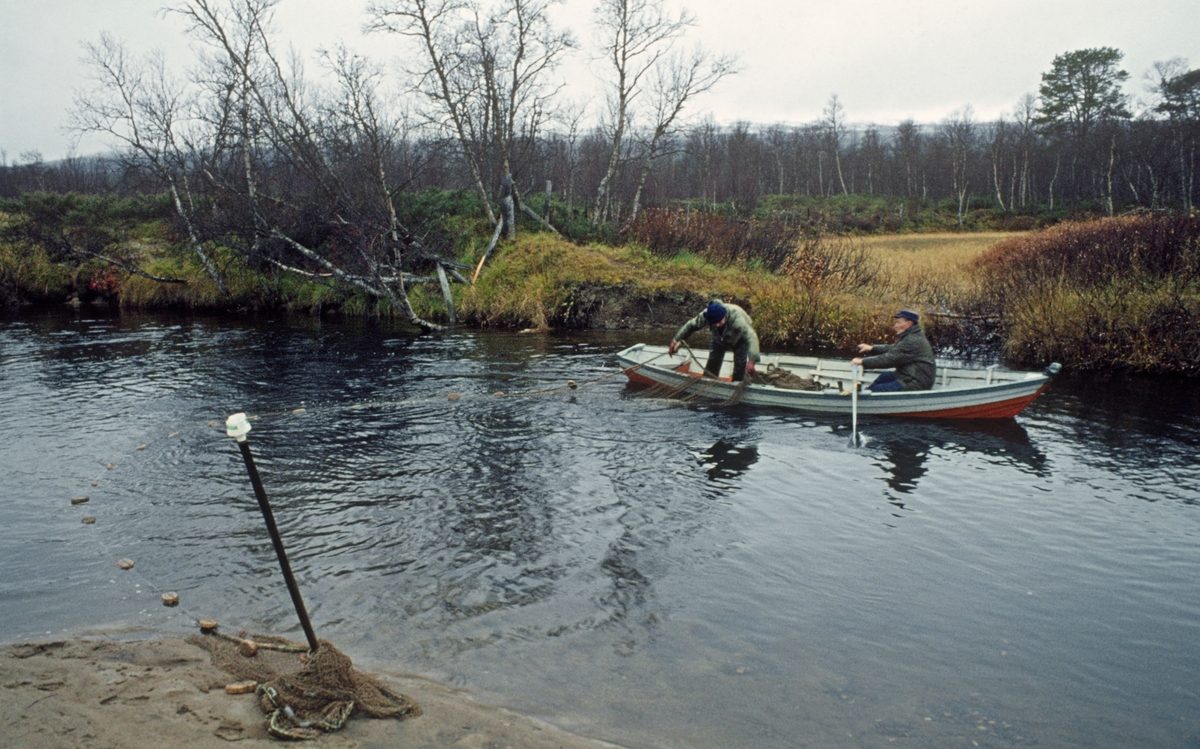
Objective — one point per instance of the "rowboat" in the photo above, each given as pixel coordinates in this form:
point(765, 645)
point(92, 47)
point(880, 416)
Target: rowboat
point(958, 392)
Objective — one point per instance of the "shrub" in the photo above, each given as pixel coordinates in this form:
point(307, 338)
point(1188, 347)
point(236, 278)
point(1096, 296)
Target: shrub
point(722, 239)
point(1094, 252)
point(1121, 292)
point(823, 259)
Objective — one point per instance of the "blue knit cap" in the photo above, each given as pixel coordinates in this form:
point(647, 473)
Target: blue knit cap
point(715, 313)
point(907, 314)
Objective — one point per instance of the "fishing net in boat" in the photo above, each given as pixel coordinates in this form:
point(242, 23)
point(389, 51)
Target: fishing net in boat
point(303, 694)
point(696, 388)
point(785, 378)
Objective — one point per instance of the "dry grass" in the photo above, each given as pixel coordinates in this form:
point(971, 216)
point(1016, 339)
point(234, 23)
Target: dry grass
point(934, 271)
point(940, 246)
point(529, 281)
point(1103, 294)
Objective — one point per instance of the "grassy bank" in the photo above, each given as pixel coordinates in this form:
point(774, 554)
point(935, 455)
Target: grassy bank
point(1109, 294)
point(1104, 294)
point(533, 283)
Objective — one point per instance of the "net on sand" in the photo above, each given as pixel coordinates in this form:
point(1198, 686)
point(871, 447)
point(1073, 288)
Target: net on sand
point(303, 694)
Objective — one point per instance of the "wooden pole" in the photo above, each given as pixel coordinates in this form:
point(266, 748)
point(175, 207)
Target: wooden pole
point(237, 427)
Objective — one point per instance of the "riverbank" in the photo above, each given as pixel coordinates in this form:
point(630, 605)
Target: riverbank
point(1118, 294)
point(155, 693)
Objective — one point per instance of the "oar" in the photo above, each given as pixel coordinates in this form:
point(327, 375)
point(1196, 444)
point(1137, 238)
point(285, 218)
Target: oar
point(855, 377)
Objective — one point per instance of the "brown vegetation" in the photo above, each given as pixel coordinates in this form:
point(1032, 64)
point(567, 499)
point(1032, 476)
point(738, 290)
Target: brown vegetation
point(1116, 293)
point(720, 238)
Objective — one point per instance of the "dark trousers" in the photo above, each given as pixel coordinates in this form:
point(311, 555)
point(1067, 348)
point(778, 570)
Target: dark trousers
point(716, 355)
point(886, 383)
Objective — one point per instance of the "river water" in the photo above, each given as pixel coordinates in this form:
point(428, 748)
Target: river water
point(632, 569)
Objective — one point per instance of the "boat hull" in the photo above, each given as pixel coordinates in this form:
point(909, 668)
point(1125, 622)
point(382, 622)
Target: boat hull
point(959, 393)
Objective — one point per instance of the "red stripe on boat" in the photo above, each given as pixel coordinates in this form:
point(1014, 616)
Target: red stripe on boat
point(685, 368)
point(997, 410)
point(638, 377)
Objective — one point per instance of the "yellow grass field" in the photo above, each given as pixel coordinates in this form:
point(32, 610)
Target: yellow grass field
point(919, 252)
point(927, 269)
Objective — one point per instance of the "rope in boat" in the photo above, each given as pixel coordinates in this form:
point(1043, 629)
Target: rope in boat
point(696, 388)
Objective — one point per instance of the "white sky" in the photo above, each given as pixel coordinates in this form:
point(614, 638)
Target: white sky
point(887, 60)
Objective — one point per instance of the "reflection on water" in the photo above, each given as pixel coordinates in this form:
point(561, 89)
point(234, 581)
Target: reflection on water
point(725, 460)
point(644, 571)
point(904, 446)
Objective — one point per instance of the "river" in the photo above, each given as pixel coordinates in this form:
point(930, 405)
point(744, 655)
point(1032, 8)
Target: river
point(650, 573)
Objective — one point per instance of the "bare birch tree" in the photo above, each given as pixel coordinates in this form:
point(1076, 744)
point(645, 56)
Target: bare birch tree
point(835, 129)
point(437, 28)
point(516, 49)
point(634, 36)
point(1026, 121)
point(1001, 135)
point(140, 105)
point(485, 71)
point(677, 81)
point(958, 132)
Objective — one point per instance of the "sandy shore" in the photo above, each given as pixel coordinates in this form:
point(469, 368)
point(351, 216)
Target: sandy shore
point(166, 693)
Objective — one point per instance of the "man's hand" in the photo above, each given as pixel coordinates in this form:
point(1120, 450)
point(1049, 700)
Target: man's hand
point(750, 367)
point(673, 347)
point(857, 361)
point(864, 348)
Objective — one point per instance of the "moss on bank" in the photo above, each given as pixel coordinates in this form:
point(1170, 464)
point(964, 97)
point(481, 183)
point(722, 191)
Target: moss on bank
point(536, 281)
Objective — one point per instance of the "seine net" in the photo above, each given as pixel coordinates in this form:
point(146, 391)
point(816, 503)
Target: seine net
point(304, 694)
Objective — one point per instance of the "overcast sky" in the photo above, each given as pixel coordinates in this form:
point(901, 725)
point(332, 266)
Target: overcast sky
point(887, 60)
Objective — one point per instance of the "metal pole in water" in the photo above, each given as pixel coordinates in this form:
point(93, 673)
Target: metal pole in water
point(855, 374)
point(237, 426)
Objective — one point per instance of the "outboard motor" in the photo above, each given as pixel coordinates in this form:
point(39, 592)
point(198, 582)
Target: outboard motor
point(1053, 369)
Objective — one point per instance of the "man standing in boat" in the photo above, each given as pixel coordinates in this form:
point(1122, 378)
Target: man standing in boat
point(911, 355)
point(732, 330)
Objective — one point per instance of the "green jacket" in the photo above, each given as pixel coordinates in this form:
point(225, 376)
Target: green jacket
point(738, 327)
point(911, 355)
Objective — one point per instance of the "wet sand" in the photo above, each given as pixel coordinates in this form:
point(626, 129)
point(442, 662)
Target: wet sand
point(165, 693)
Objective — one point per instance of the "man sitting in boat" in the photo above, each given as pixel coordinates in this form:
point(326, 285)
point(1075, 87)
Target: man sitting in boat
point(732, 330)
point(911, 355)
